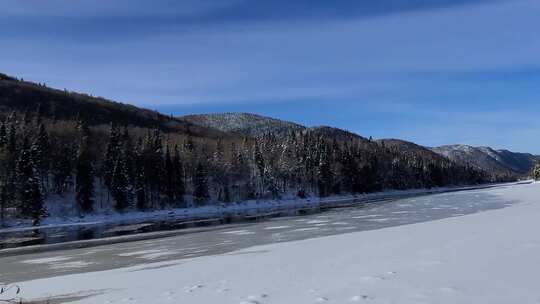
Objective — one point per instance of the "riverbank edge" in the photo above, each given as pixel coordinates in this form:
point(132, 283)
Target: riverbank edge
point(316, 206)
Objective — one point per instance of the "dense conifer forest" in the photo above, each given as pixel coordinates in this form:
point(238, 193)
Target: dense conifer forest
point(96, 154)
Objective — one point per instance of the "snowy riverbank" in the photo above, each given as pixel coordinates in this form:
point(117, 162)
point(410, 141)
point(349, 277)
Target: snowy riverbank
point(219, 211)
point(489, 257)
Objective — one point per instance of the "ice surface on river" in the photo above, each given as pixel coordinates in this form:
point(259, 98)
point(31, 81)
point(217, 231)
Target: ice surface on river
point(366, 217)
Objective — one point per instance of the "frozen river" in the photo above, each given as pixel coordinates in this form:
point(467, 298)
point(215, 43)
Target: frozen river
point(226, 239)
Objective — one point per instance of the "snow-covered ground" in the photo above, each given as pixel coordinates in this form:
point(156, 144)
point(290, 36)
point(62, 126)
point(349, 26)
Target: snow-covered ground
point(488, 257)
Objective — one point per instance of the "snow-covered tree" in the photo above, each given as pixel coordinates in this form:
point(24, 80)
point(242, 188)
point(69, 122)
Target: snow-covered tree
point(153, 166)
point(40, 153)
point(219, 153)
point(120, 185)
point(536, 172)
point(112, 154)
point(29, 192)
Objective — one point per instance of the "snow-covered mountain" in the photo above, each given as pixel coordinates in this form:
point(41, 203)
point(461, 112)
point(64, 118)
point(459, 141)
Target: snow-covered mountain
point(253, 125)
point(243, 123)
point(406, 147)
point(491, 160)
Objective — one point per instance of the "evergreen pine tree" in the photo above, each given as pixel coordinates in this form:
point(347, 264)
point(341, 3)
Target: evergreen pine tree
point(119, 153)
point(12, 138)
point(3, 135)
point(84, 180)
point(29, 194)
point(27, 117)
point(41, 155)
point(140, 181)
point(536, 172)
point(3, 204)
point(260, 166)
point(200, 181)
point(219, 154)
point(179, 187)
point(129, 165)
point(63, 160)
point(111, 156)
point(324, 173)
point(169, 177)
point(119, 185)
point(154, 165)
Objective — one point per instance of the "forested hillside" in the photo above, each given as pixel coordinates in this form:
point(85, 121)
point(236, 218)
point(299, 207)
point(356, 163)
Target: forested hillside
point(94, 155)
point(63, 105)
point(502, 162)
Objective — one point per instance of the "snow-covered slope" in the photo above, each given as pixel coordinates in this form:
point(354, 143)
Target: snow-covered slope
point(488, 159)
point(490, 257)
point(243, 123)
point(518, 162)
point(253, 125)
point(408, 147)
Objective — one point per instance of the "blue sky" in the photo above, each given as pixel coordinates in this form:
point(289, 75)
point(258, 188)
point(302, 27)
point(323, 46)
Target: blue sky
point(430, 71)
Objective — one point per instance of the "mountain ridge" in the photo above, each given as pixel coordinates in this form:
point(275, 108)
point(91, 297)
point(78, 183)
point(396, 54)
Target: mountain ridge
point(243, 123)
point(253, 125)
point(500, 160)
point(24, 96)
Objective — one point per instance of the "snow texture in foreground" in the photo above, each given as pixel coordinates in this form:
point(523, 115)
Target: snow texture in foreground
point(489, 257)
